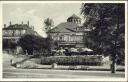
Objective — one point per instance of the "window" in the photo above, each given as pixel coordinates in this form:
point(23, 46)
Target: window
point(17, 33)
point(23, 32)
point(5, 33)
point(10, 32)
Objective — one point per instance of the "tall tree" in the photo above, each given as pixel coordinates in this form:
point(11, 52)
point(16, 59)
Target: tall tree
point(30, 43)
point(48, 23)
point(107, 24)
point(35, 43)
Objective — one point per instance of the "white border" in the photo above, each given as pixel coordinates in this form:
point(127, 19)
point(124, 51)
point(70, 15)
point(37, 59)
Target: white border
point(1, 68)
point(89, 79)
point(63, 1)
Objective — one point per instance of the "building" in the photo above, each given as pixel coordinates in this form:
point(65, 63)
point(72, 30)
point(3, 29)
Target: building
point(70, 33)
point(14, 31)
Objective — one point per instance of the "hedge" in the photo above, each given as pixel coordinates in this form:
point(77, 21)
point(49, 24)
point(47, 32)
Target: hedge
point(72, 60)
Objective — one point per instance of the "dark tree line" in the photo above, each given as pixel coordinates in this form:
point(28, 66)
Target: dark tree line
point(107, 24)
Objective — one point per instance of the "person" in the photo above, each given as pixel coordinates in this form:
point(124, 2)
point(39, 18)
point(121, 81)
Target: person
point(26, 52)
point(61, 51)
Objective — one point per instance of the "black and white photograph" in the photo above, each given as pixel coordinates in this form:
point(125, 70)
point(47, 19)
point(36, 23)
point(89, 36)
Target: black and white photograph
point(64, 40)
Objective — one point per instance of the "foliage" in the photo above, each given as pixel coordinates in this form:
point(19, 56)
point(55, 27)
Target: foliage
point(106, 20)
point(8, 44)
point(72, 60)
point(35, 43)
point(48, 23)
point(50, 43)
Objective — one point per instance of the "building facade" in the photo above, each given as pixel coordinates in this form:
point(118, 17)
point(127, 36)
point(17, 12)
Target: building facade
point(70, 33)
point(13, 32)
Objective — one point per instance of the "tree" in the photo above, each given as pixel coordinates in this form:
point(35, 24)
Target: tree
point(9, 44)
point(48, 23)
point(35, 43)
point(30, 43)
point(106, 21)
point(50, 43)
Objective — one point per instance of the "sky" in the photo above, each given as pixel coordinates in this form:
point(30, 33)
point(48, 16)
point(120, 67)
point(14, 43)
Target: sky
point(36, 13)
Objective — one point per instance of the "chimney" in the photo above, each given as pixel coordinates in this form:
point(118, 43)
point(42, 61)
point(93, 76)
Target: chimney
point(4, 25)
point(22, 22)
point(28, 23)
point(10, 23)
point(32, 27)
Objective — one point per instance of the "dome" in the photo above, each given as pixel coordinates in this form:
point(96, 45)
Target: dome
point(74, 18)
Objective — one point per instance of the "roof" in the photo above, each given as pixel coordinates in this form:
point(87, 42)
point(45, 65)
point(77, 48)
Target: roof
point(65, 27)
point(74, 16)
point(17, 26)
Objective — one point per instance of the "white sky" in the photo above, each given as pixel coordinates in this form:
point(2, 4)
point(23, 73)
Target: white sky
point(37, 12)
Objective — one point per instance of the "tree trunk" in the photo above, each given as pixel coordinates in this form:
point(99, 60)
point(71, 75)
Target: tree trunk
point(113, 66)
point(114, 59)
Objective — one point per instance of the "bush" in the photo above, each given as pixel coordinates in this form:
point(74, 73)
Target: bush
point(34, 43)
point(73, 60)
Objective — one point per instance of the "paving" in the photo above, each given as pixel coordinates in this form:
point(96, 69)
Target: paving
point(12, 72)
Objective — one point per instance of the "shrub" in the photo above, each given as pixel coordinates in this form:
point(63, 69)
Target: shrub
point(73, 60)
point(34, 43)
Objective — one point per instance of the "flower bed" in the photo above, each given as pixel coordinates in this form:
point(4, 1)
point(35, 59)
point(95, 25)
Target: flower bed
point(73, 60)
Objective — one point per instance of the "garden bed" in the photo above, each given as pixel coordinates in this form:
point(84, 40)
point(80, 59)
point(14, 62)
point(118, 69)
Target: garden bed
point(72, 60)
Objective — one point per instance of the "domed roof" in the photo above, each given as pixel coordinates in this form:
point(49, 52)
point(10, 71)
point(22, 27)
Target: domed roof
point(74, 17)
point(65, 27)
